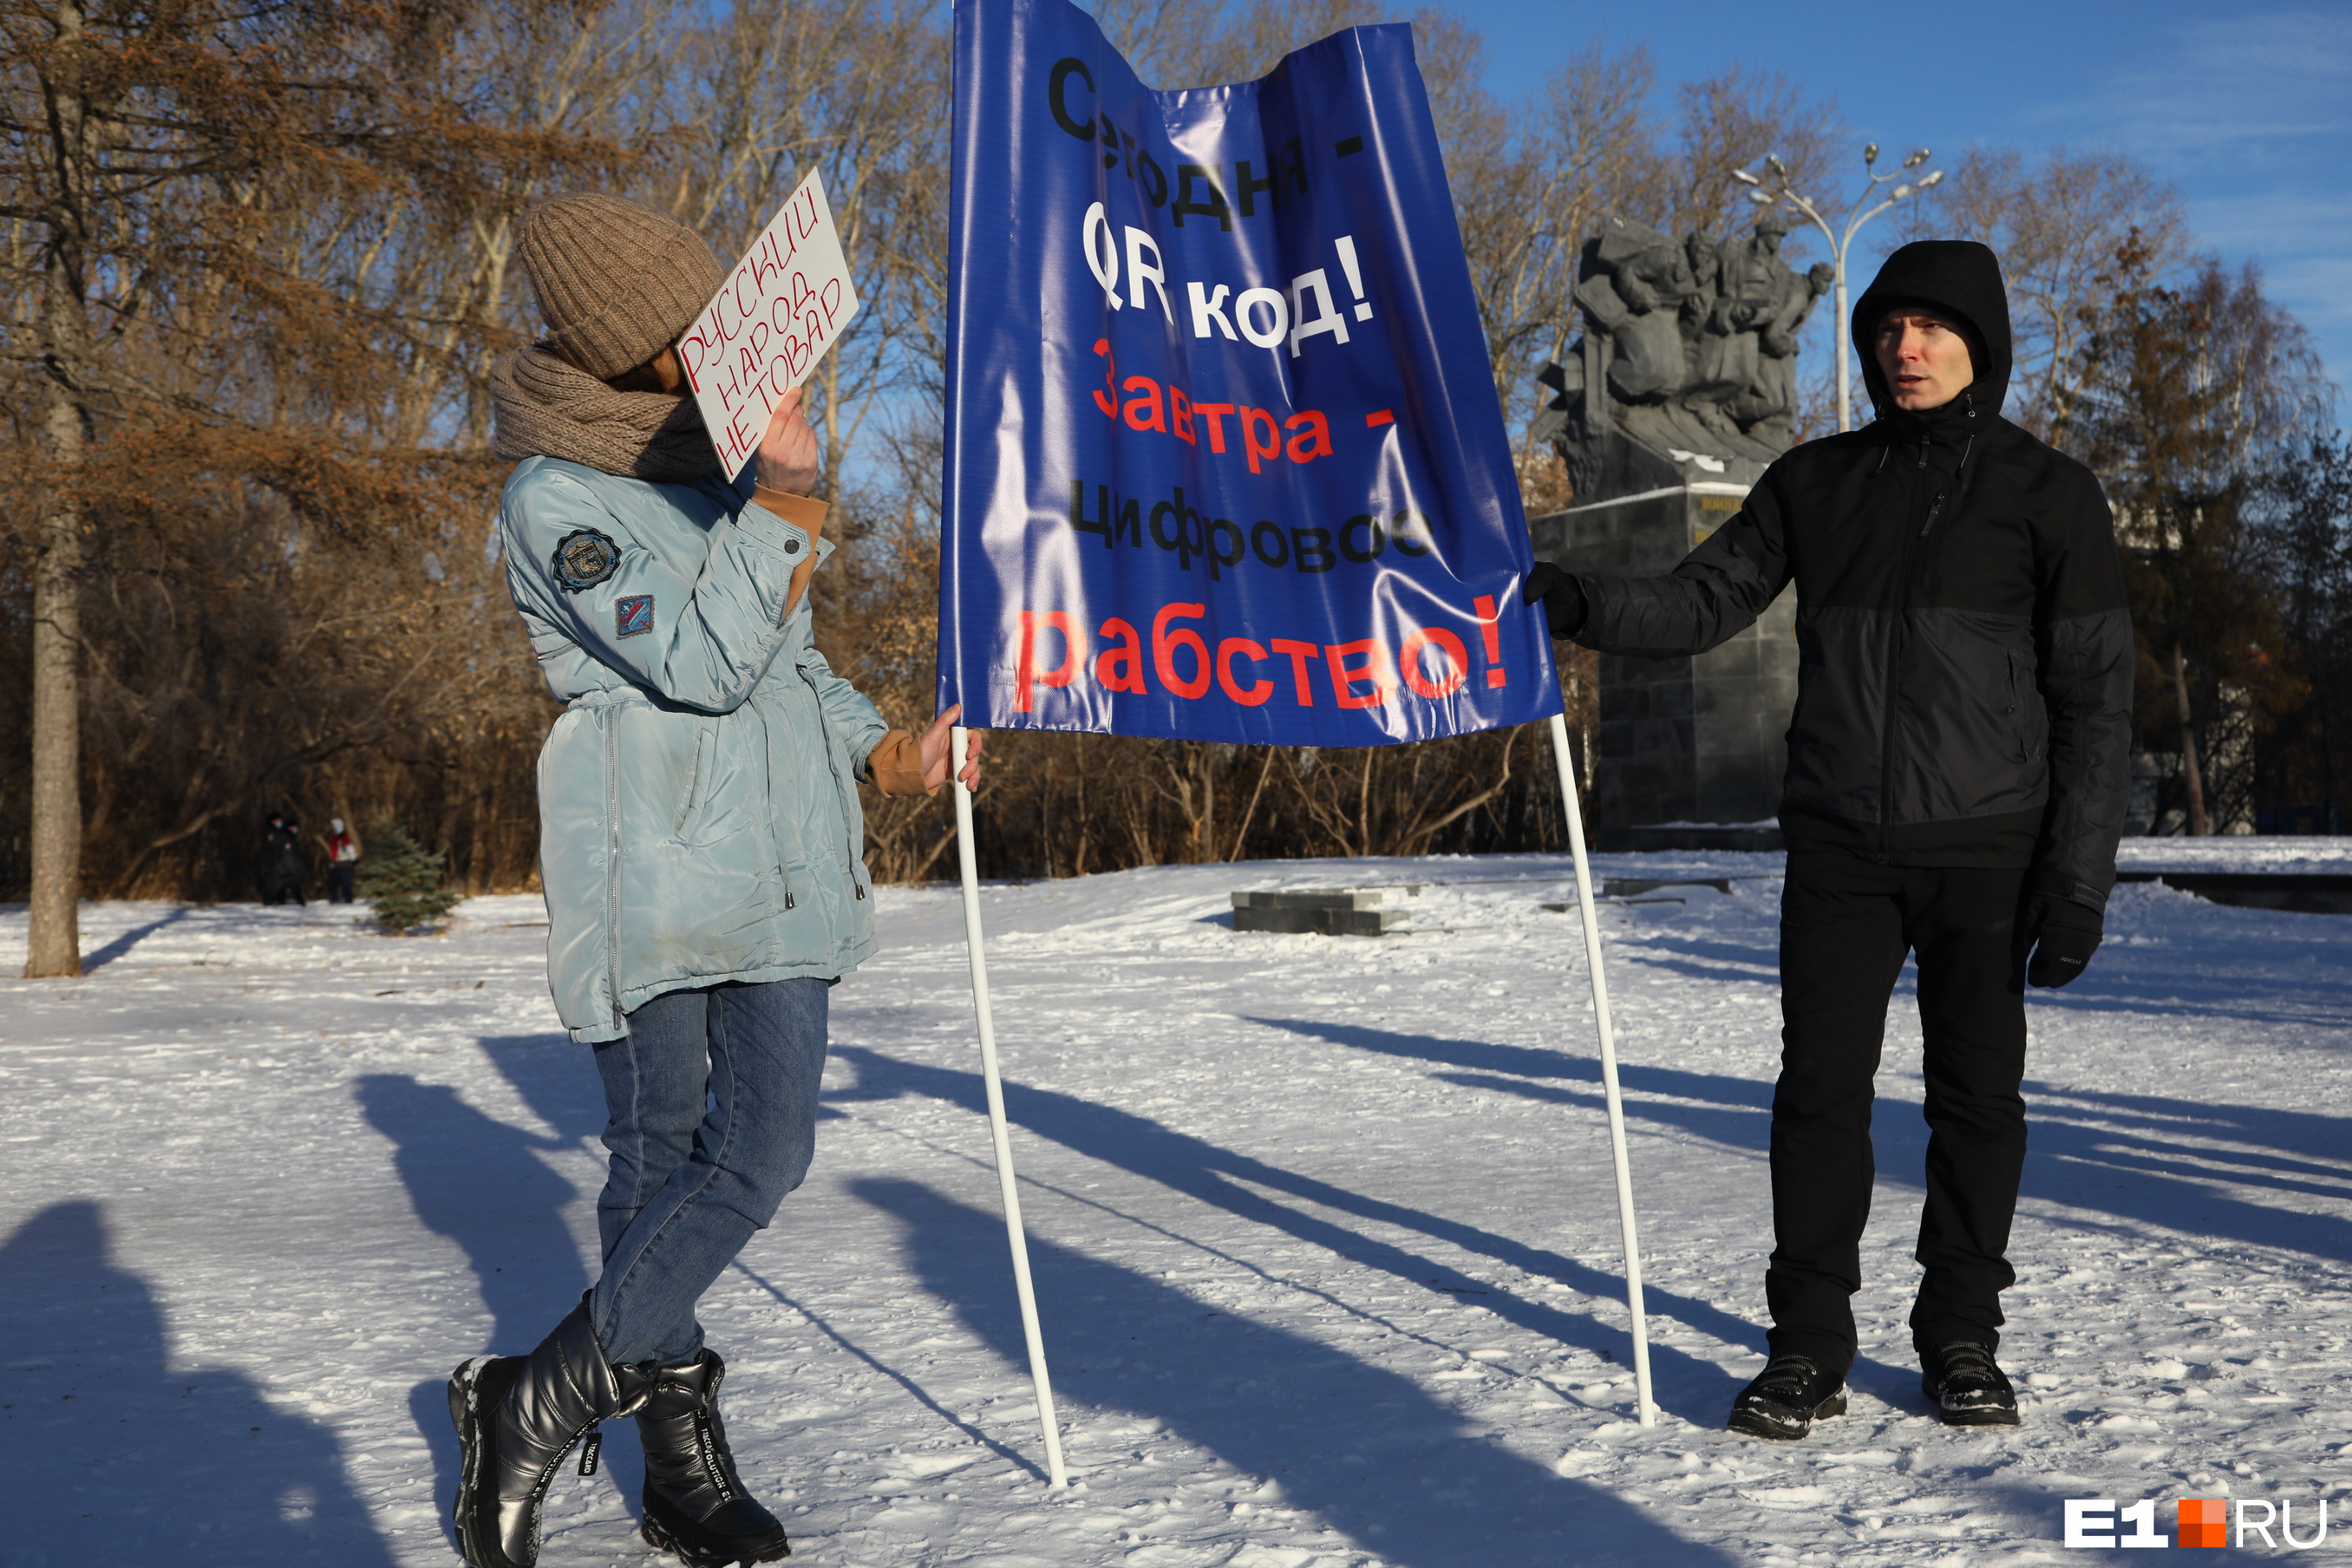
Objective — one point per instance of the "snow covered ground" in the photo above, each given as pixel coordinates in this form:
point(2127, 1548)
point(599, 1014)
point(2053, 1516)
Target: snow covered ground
point(1324, 1231)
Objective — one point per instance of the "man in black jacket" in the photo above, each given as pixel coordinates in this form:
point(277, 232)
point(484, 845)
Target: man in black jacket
point(1958, 775)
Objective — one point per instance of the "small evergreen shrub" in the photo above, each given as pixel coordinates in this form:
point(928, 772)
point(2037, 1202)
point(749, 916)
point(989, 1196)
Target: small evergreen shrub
point(402, 880)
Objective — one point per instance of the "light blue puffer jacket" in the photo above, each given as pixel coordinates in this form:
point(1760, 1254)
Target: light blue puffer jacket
point(698, 814)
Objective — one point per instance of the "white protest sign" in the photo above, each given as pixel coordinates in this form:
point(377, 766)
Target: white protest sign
point(779, 308)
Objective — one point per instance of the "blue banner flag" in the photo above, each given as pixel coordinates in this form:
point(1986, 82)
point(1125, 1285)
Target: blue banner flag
point(1223, 456)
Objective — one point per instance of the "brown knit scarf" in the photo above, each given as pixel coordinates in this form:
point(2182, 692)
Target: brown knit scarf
point(547, 406)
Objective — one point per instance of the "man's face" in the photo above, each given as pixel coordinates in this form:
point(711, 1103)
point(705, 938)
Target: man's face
point(1924, 357)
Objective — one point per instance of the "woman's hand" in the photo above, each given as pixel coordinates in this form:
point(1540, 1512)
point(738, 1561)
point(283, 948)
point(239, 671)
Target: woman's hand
point(938, 742)
point(786, 460)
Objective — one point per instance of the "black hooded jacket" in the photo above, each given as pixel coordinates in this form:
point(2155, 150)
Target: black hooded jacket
point(1965, 652)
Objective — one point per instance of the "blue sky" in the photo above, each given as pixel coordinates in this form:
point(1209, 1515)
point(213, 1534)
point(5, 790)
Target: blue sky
point(2249, 115)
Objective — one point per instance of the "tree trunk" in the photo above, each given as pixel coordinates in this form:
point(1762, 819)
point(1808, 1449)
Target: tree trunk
point(2198, 827)
point(55, 946)
point(54, 941)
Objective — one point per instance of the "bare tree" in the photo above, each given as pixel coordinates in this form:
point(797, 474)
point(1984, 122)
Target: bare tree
point(1729, 121)
point(116, 121)
point(2191, 393)
point(2058, 225)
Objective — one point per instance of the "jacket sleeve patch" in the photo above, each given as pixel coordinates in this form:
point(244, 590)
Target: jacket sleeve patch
point(634, 616)
point(584, 559)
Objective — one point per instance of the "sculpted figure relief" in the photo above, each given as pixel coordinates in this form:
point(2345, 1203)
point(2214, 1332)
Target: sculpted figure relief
point(1689, 349)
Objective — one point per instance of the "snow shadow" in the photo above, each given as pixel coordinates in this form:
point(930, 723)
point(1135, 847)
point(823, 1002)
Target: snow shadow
point(1701, 958)
point(915, 1390)
point(556, 1077)
point(2121, 1155)
point(1371, 1452)
point(101, 957)
point(115, 1454)
point(1696, 1390)
point(2162, 1162)
point(480, 1182)
point(1734, 1111)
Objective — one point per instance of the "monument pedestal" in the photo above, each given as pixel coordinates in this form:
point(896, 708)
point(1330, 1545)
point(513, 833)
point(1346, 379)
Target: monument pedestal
point(1682, 740)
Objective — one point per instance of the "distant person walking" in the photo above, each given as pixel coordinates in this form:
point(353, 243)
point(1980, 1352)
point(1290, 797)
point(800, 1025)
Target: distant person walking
point(1959, 766)
point(282, 863)
point(700, 841)
point(342, 861)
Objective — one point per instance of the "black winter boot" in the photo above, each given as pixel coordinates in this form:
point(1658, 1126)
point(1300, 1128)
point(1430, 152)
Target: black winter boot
point(517, 1417)
point(1789, 1396)
point(696, 1507)
point(1968, 1386)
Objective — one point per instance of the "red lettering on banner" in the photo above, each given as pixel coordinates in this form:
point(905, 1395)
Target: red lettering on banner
point(1180, 415)
point(1164, 644)
point(1214, 413)
point(1299, 652)
point(1153, 406)
point(1025, 673)
point(1251, 419)
point(1345, 675)
point(1108, 404)
point(1457, 662)
point(1314, 436)
point(1147, 403)
point(1260, 689)
point(1119, 667)
point(1489, 632)
point(1127, 657)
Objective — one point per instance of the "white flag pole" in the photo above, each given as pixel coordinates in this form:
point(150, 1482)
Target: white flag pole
point(959, 750)
point(1647, 1410)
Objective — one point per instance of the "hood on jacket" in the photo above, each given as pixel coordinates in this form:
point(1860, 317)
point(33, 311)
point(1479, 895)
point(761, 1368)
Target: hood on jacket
point(1959, 277)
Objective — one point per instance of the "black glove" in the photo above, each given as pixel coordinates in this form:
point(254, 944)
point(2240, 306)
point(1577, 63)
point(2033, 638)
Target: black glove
point(1563, 599)
point(2063, 934)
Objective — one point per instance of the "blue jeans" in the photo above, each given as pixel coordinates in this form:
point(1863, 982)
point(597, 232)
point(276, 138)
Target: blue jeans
point(712, 1096)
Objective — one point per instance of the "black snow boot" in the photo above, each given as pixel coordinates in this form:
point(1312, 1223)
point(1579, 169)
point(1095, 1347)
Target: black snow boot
point(1783, 1402)
point(1967, 1386)
point(696, 1507)
point(517, 1417)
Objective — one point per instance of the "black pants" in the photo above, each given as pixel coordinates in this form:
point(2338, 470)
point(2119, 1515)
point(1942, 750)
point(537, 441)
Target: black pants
point(339, 884)
point(1846, 925)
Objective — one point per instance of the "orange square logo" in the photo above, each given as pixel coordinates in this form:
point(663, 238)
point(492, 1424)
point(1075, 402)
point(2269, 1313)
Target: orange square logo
point(2204, 1521)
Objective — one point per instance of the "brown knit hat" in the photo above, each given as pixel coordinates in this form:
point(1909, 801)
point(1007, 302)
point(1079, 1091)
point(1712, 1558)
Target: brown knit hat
point(617, 281)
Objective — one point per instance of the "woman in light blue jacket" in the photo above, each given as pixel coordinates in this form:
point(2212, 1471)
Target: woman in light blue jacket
point(701, 851)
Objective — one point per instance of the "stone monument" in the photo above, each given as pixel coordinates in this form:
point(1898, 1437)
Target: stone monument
point(1671, 405)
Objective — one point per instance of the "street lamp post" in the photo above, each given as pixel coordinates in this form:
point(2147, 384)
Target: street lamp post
point(1778, 191)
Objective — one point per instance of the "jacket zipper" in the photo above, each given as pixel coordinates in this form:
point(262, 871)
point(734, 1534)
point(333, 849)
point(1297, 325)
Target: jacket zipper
point(1894, 671)
point(1933, 507)
point(612, 717)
